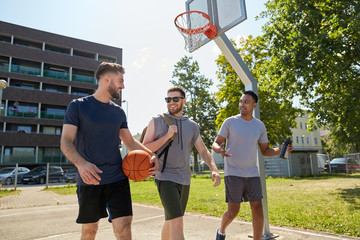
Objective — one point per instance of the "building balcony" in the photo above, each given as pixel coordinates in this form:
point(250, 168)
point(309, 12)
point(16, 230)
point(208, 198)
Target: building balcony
point(19, 159)
point(26, 70)
point(83, 79)
point(50, 115)
point(57, 75)
point(22, 114)
point(4, 67)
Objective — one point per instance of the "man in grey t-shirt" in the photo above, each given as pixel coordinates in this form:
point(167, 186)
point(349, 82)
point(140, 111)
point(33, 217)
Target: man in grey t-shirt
point(174, 181)
point(243, 134)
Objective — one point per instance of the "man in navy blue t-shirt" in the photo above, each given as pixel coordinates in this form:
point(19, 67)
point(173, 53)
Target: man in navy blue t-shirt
point(93, 127)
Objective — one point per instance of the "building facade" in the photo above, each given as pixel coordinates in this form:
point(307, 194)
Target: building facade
point(303, 159)
point(44, 72)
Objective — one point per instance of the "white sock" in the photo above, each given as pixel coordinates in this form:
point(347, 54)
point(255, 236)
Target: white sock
point(221, 232)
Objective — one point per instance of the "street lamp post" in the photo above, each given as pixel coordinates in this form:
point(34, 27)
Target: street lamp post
point(3, 85)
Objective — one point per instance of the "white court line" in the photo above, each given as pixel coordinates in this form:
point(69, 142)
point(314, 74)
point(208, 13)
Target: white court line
point(101, 228)
point(279, 228)
point(190, 214)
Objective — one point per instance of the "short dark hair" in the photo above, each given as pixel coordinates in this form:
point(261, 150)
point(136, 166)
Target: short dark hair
point(251, 93)
point(107, 67)
point(177, 89)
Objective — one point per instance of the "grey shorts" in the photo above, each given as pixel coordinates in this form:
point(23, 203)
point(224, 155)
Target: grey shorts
point(174, 198)
point(242, 189)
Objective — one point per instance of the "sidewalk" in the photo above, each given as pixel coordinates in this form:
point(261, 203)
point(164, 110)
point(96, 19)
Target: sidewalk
point(147, 222)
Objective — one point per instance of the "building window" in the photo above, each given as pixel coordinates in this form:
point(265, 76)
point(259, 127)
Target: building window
point(307, 140)
point(79, 75)
point(83, 54)
point(81, 92)
point(297, 139)
point(4, 64)
point(19, 154)
point(4, 38)
point(54, 88)
point(23, 84)
point(26, 67)
point(51, 130)
point(306, 126)
point(316, 141)
point(27, 43)
point(51, 112)
point(51, 155)
point(301, 126)
point(58, 72)
point(52, 48)
point(302, 139)
point(17, 109)
point(103, 58)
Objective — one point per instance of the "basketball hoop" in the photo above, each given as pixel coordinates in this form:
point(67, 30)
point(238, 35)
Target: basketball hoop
point(194, 25)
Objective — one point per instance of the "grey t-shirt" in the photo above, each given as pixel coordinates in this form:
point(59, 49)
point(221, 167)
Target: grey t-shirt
point(243, 138)
point(177, 167)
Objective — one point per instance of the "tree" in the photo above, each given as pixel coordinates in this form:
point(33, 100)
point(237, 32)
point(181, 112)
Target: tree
point(314, 53)
point(200, 106)
point(276, 110)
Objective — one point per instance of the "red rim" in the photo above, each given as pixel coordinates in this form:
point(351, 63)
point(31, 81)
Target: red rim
point(191, 30)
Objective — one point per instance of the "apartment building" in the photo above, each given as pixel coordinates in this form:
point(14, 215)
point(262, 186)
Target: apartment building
point(43, 73)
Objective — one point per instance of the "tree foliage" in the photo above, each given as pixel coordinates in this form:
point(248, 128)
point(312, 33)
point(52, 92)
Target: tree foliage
point(201, 106)
point(314, 52)
point(276, 110)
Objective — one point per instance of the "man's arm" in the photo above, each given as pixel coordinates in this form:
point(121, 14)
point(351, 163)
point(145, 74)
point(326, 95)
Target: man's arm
point(88, 171)
point(133, 144)
point(218, 146)
point(206, 156)
point(149, 139)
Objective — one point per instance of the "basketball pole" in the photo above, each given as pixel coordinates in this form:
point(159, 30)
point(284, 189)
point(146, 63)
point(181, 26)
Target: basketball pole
point(250, 83)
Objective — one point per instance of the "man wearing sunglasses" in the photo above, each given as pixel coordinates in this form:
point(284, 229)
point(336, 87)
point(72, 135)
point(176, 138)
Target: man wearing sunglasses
point(173, 181)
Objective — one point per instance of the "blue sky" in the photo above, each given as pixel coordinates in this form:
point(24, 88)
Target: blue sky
point(143, 29)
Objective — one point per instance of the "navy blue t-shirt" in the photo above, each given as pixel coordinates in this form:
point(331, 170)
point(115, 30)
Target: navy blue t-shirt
point(97, 139)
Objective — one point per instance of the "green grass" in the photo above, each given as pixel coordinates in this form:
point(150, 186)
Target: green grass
point(326, 203)
point(6, 192)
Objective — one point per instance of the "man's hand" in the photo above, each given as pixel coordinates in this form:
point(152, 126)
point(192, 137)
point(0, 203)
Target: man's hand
point(172, 130)
point(89, 173)
point(222, 151)
point(216, 177)
point(155, 160)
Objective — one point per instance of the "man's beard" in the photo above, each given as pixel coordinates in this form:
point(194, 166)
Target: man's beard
point(113, 92)
point(176, 110)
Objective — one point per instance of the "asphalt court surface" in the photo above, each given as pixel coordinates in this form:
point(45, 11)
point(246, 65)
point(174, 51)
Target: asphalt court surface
point(45, 215)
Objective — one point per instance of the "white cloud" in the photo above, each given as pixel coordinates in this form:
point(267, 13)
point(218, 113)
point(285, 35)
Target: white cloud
point(143, 56)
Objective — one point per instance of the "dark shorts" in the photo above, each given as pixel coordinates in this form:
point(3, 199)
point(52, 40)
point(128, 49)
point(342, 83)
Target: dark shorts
point(242, 189)
point(96, 201)
point(174, 198)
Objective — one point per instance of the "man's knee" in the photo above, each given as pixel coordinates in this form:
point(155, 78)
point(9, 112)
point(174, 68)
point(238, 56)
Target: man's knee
point(89, 230)
point(256, 207)
point(233, 209)
point(122, 227)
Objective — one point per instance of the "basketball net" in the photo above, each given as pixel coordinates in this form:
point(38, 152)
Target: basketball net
point(194, 26)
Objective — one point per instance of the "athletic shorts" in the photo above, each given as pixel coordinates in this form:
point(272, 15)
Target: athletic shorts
point(96, 201)
point(242, 189)
point(174, 198)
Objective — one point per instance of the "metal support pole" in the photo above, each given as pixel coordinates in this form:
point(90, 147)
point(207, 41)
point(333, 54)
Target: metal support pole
point(47, 175)
point(250, 83)
point(16, 175)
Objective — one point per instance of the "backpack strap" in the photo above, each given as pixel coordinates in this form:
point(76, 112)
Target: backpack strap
point(168, 121)
point(166, 149)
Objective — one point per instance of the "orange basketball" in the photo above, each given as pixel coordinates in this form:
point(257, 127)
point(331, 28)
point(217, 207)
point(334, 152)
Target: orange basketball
point(136, 165)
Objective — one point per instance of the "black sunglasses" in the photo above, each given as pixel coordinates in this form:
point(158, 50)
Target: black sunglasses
point(175, 99)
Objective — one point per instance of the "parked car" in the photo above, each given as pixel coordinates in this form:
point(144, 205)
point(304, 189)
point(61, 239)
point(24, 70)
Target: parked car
point(38, 175)
point(7, 174)
point(71, 175)
point(338, 165)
